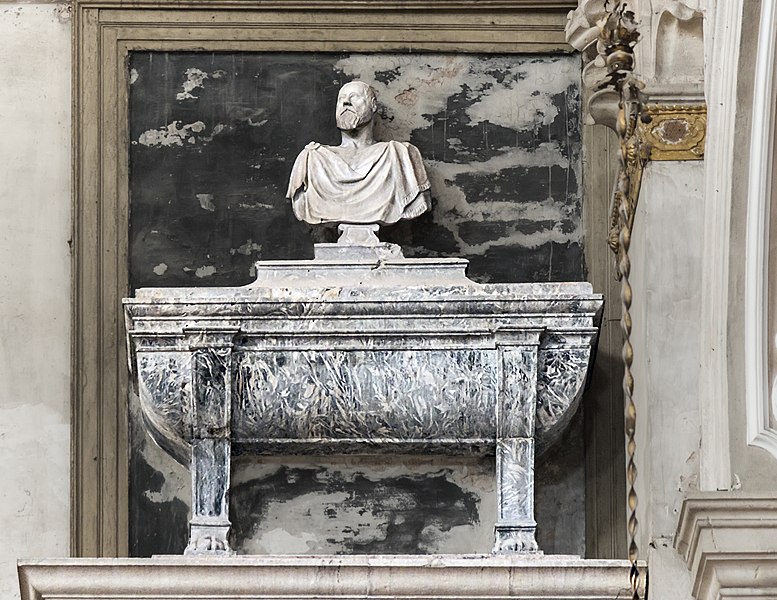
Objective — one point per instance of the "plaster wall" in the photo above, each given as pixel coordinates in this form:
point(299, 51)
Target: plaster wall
point(34, 285)
point(666, 277)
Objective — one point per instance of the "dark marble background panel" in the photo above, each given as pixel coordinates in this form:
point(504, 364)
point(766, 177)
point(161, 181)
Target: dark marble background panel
point(213, 138)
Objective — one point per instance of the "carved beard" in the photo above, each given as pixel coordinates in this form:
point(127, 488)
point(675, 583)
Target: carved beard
point(348, 119)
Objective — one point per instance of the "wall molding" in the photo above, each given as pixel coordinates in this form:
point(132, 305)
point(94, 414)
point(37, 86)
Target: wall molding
point(760, 407)
point(105, 32)
point(721, 85)
point(729, 543)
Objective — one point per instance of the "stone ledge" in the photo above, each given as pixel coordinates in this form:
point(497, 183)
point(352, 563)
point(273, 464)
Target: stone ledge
point(729, 542)
point(326, 577)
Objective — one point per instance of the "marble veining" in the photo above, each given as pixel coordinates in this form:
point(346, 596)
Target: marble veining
point(378, 395)
point(441, 368)
point(559, 388)
point(518, 395)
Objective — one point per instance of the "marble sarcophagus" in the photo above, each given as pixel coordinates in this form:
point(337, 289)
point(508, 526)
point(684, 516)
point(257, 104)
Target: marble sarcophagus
point(360, 355)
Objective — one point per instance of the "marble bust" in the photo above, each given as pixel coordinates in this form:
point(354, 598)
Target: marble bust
point(362, 180)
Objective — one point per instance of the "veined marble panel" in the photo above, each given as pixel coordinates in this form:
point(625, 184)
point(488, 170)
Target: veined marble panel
point(165, 393)
point(368, 395)
point(515, 481)
point(559, 389)
point(212, 378)
point(518, 393)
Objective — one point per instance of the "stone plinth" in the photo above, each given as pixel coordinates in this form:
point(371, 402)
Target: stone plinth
point(361, 356)
point(326, 578)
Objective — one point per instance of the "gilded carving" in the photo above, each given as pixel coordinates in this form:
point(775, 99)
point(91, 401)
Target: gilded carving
point(617, 39)
point(675, 132)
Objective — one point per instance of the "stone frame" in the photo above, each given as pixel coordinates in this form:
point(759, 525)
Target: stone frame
point(105, 31)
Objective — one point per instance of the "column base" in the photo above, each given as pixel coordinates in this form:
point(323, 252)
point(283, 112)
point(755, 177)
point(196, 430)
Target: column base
point(209, 540)
point(515, 539)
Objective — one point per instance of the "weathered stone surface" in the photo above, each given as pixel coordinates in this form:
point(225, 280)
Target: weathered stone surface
point(432, 577)
point(369, 504)
point(727, 539)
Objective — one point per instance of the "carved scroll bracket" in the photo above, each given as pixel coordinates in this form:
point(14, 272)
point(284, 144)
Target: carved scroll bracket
point(606, 34)
point(669, 60)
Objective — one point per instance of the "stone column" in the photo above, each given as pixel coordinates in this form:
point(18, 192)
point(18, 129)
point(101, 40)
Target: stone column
point(516, 408)
point(211, 446)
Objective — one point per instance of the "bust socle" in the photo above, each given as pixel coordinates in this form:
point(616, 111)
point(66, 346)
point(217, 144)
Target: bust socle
point(361, 180)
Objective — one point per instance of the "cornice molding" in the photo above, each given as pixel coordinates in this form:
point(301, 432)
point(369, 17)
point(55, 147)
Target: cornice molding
point(326, 578)
point(315, 5)
point(729, 543)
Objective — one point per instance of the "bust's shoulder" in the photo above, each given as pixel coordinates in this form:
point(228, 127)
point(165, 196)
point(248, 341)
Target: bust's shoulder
point(407, 149)
point(312, 146)
point(401, 145)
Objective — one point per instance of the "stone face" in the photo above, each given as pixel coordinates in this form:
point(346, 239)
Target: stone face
point(383, 359)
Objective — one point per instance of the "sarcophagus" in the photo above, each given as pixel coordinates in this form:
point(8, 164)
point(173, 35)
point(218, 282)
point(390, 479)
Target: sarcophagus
point(361, 356)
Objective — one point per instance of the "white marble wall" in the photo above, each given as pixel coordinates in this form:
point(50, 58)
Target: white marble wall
point(34, 285)
point(752, 468)
point(666, 278)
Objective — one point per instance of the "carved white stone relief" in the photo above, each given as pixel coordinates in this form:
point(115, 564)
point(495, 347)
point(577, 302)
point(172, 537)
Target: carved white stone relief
point(669, 57)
